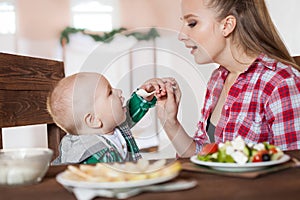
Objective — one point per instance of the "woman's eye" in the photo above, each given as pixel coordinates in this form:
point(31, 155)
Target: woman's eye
point(192, 24)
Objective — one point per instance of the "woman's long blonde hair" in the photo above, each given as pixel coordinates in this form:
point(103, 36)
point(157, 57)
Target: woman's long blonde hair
point(255, 31)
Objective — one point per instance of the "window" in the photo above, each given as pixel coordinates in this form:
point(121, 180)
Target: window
point(94, 15)
point(7, 18)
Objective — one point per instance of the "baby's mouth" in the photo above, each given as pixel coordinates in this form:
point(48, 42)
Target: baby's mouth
point(123, 102)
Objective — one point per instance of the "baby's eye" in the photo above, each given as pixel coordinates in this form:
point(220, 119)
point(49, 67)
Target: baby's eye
point(192, 24)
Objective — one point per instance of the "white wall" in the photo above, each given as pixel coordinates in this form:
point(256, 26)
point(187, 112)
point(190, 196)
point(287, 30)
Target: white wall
point(286, 15)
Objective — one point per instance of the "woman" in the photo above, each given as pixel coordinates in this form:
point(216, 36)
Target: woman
point(255, 91)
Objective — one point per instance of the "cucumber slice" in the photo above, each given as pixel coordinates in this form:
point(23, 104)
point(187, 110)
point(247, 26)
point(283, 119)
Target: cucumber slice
point(247, 151)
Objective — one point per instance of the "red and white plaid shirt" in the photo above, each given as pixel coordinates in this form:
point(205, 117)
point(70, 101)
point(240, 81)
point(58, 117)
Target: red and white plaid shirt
point(263, 105)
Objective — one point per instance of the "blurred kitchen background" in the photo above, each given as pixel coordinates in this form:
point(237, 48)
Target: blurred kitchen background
point(35, 28)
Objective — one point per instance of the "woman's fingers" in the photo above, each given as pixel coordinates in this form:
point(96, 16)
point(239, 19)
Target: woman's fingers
point(169, 79)
point(171, 98)
point(159, 85)
point(174, 90)
point(177, 92)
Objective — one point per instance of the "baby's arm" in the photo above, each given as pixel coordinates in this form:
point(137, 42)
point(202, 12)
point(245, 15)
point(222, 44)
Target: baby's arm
point(138, 106)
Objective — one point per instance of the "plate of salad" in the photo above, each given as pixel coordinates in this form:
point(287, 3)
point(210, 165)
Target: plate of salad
point(237, 156)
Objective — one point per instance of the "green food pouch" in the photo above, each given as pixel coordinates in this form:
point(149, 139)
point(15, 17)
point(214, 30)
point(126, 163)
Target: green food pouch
point(138, 106)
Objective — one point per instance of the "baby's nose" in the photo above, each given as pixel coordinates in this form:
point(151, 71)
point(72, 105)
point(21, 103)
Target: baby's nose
point(119, 92)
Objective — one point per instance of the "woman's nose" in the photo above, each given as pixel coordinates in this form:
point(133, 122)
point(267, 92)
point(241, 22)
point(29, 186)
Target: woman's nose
point(182, 36)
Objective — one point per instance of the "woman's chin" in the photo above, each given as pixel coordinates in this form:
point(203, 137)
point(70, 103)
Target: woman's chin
point(202, 58)
point(203, 61)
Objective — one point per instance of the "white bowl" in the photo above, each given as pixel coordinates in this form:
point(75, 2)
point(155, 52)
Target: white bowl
point(24, 166)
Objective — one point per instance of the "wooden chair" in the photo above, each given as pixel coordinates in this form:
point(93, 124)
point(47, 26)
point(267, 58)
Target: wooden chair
point(297, 59)
point(25, 83)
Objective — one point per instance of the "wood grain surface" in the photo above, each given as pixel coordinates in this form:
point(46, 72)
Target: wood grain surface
point(25, 83)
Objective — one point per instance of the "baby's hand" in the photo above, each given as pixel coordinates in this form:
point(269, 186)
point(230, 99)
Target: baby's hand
point(158, 86)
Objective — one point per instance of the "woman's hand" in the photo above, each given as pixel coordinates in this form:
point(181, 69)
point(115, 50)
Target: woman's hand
point(158, 85)
point(168, 96)
point(167, 105)
point(167, 110)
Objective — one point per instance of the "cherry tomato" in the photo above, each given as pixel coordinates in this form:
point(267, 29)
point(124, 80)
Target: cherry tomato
point(209, 149)
point(257, 158)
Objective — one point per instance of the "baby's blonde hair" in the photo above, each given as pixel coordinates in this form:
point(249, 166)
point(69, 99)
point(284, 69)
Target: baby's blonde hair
point(59, 104)
point(72, 99)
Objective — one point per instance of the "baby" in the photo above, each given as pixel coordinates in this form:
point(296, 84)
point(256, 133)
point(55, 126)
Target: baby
point(98, 125)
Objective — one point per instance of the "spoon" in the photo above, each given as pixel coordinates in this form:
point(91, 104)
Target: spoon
point(144, 93)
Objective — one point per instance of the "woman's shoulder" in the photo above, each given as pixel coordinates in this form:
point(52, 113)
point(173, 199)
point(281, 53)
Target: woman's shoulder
point(276, 70)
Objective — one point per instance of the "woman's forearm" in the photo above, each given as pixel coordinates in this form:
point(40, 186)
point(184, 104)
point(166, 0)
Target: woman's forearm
point(184, 145)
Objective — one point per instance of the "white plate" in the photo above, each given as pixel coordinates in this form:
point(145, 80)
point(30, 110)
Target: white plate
point(234, 167)
point(112, 185)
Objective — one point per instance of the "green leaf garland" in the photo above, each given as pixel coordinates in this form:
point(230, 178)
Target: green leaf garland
point(107, 36)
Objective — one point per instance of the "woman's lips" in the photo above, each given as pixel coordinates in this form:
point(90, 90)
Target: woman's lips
point(193, 50)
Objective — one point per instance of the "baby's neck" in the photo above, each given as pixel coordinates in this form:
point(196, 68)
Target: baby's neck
point(95, 131)
point(109, 133)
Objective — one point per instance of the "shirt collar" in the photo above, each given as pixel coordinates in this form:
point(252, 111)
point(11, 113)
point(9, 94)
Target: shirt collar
point(265, 61)
point(262, 59)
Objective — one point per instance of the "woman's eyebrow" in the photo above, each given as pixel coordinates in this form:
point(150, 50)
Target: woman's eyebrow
point(188, 16)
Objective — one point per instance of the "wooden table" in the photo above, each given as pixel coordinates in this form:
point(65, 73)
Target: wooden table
point(280, 185)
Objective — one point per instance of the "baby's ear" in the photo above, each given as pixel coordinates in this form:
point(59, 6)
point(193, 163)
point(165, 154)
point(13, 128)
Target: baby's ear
point(92, 121)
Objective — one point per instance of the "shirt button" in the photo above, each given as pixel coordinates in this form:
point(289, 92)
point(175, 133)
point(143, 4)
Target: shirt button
point(226, 107)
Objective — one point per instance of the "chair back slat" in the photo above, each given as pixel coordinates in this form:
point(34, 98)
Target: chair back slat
point(21, 108)
point(25, 83)
point(297, 59)
point(28, 73)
